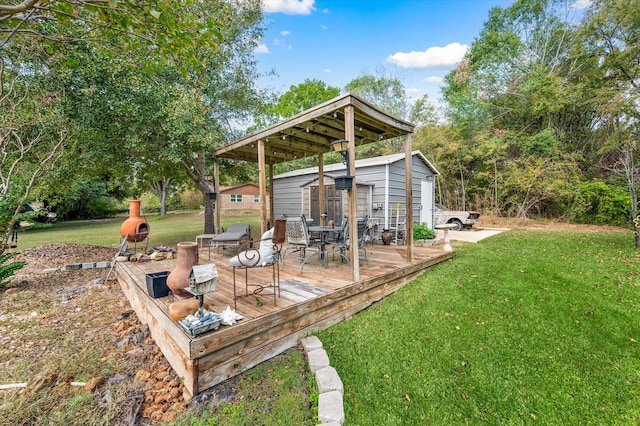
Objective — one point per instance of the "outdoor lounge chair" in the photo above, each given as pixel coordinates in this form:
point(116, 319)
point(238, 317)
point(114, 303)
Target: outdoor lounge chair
point(236, 235)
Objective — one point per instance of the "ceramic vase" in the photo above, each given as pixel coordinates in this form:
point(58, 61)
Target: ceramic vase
point(178, 279)
point(386, 237)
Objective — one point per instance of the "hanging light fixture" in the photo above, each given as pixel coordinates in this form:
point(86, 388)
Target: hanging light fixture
point(343, 182)
point(342, 146)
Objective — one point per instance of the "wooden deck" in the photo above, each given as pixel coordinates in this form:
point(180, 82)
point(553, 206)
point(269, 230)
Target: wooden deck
point(309, 301)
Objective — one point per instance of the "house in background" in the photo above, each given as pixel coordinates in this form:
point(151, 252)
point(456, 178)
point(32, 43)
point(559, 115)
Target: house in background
point(240, 198)
point(380, 187)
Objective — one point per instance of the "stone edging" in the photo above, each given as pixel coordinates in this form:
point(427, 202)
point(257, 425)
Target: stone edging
point(330, 388)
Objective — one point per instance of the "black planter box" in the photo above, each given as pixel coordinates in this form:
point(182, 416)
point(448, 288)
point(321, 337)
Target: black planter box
point(343, 182)
point(157, 284)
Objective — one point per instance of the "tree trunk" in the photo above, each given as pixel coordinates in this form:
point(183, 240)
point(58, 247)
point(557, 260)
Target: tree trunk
point(198, 173)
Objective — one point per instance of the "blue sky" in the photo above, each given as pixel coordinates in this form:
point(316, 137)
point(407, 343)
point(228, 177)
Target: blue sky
point(417, 41)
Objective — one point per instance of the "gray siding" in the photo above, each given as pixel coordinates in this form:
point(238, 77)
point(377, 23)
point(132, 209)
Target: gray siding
point(382, 173)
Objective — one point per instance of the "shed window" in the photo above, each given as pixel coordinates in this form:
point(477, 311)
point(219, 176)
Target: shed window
point(256, 198)
point(236, 198)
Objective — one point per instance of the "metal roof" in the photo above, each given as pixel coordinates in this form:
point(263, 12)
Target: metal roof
point(365, 162)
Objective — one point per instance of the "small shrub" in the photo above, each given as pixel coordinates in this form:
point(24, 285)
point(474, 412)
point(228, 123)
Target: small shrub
point(7, 270)
point(423, 232)
point(192, 199)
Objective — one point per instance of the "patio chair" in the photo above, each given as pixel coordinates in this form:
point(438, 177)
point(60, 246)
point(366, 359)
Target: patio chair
point(236, 234)
point(338, 234)
point(342, 246)
point(298, 240)
point(264, 254)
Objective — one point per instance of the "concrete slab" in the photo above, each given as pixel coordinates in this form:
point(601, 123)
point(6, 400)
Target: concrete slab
point(472, 235)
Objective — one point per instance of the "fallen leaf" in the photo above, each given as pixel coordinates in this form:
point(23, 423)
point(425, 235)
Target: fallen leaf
point(464, 396)
point(406, 396)
point(632, 340)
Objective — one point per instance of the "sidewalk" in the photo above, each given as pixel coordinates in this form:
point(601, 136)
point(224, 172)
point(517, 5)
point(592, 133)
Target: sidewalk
point(472, 235)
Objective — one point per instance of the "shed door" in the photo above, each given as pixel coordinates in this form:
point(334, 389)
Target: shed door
point(332, 203)
point(426, 202)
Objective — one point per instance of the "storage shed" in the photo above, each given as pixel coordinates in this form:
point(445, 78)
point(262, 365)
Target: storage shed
point(380, 186)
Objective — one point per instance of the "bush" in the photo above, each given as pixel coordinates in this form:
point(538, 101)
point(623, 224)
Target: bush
point(423, 232)
point(598, 203)
point(192, 199)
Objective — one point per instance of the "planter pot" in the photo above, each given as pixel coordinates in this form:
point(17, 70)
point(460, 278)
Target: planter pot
point(178, 279)
point(386, 237)
point(343, 182)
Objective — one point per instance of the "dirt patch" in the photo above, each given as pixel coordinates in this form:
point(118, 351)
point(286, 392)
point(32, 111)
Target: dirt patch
point(72, 336)
point(489, 221)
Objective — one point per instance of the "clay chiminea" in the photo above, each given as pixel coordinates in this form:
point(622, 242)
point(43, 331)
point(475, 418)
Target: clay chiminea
point(178, 279)
point(135, 228)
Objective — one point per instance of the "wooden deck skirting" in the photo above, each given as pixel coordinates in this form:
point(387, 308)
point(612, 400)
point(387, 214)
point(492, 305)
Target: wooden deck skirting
point(268, 329)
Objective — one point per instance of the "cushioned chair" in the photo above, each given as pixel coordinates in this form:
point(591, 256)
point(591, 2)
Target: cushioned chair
point(266, 254)
point(236, 234)
point(298, 241)
point(342, 246)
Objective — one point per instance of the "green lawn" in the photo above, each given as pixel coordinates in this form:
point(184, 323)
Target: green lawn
point(165, 230)
point(526, 327)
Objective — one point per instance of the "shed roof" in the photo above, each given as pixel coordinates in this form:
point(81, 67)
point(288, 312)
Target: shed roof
point(365, 162)
point(311, 132)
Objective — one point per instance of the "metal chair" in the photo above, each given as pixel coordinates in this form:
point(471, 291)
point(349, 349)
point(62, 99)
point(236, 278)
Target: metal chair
point(342, 246)
point(298, 240)
point(265, 255)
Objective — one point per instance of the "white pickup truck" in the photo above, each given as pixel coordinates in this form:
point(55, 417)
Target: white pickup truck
point(462, 219)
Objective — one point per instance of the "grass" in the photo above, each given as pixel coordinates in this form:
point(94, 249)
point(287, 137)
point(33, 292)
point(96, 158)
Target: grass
point(526, 327)
point(164, 230)
point(272, 393)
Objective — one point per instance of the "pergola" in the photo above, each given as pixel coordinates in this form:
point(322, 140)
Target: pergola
point(311, 133)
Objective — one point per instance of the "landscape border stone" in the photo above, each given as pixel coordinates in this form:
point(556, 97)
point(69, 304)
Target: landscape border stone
point(330, 387)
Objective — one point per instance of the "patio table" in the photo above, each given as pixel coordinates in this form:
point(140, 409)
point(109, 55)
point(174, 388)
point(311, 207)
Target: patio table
point(323, 231)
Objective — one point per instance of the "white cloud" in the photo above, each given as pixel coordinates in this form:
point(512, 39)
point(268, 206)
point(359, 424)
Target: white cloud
point(581, 4)
point(434, 79)
point(325, 10)
point(289, 7)
point(324, 27)
point(285, 33)
point(261, 48)
point(328, 71)
point(434, 57)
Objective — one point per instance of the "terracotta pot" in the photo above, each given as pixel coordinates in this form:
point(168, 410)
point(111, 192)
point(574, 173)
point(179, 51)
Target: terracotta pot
point(178, 279)
point(135, 228)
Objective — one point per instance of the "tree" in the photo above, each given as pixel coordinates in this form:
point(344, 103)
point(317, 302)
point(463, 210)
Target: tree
point(297, 99)
point(610, 37)
point(33, 132)
point(388, 93)
point(521, 86)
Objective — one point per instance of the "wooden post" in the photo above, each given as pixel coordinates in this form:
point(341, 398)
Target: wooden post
point(349, 130)
point(408, 160)
point(271, 208)
point(216, 189)
point(321, 205)
point(263, 187)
